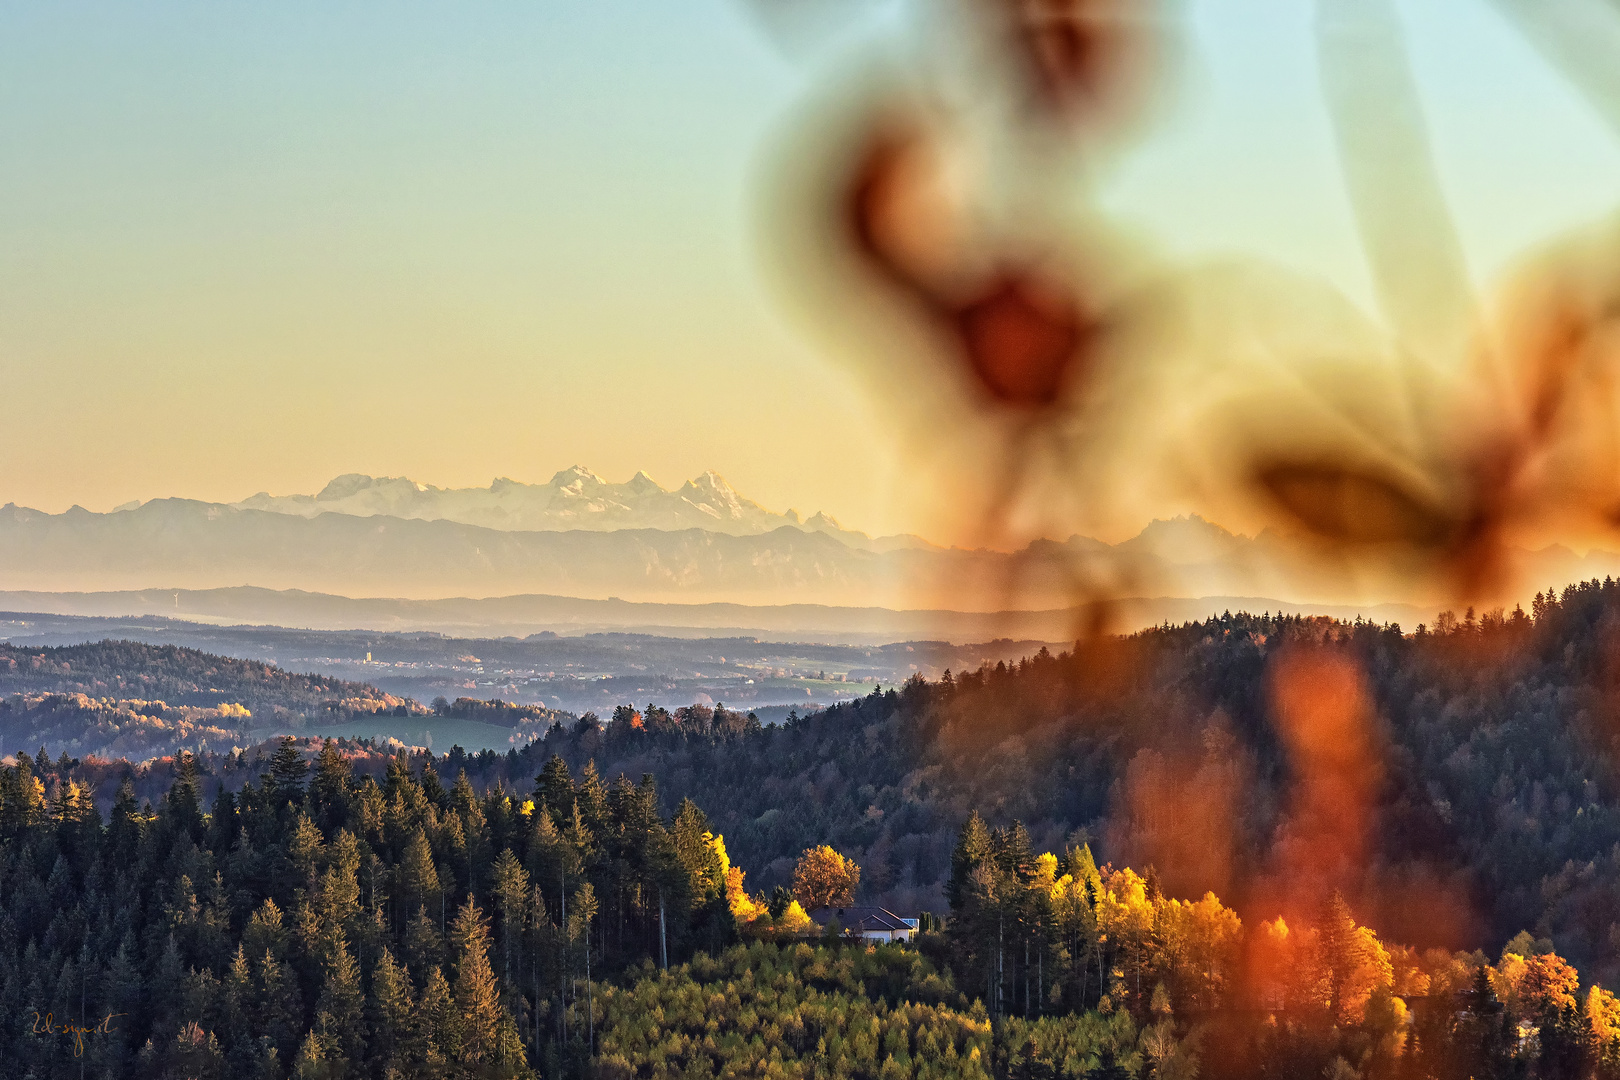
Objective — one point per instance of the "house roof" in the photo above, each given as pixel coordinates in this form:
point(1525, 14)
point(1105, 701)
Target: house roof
point(859, 918)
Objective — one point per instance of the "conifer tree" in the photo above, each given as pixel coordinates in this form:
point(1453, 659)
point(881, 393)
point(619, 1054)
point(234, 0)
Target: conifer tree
point(265, 931)
point(419, 884)
point(590, 798)
point(310, 1064)
point(510, 888)
point(338, 891)
point(123, 825)
point(972, 847)
point(424, 945)
point(554, 789)
point(438, 1022)
point(305, 850)
point(477, 998)
point(432, 790)
point(183, 804)
point(389, 1015)
point(583, 910)
point(341, 1007)
point(280, 1010)
point(284, 778)
point(237, 992)
point(329, 794)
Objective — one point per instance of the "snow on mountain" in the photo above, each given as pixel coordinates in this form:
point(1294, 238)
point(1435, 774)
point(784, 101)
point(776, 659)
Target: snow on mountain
point(187, 544)
point(574, 498)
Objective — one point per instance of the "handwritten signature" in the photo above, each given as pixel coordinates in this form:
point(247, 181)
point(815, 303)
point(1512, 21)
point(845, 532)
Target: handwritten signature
point(46, 1024)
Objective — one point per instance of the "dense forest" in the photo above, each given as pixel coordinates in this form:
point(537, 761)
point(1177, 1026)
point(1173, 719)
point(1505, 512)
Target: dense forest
point(1407, 846)
point(320, 925)
point(1486, 800)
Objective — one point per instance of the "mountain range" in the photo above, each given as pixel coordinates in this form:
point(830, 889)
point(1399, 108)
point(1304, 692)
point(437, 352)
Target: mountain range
point(573, 499)
point(582, 537)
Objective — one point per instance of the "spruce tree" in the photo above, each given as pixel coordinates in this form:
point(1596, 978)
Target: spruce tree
point(510, 888)
point(329, 793)
point(284, 779)
point(419, 884)
point(424, 945)
point(389, 1015)
point(438, 1022)
point(432, 790)
point(281, 1011)
point(310, 1064)
point(341, 1006)
point(691, 834)
point(477, 997)
point(237, 992)
point(590, 798)
point(554, 789)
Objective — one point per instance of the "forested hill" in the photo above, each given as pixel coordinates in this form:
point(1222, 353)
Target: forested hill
point(1487, 805)
point(130, 700)
point(1484, 798)
point(130, 670)
point(1485, 801)
point(1367, 806)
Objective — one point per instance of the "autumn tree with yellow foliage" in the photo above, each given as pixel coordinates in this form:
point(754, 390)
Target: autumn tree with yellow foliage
point(824, 878)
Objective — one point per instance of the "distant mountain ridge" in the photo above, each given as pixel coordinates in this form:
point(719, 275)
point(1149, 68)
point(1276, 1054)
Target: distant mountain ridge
point(573, 499)
point(163, 610)
point(315, 543)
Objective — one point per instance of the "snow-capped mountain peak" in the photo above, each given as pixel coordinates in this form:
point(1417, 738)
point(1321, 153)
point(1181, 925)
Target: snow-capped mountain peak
point(574, 498)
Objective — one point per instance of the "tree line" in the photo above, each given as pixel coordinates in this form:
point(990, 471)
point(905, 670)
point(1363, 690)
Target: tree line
point(319, 924)
point(1045, 937)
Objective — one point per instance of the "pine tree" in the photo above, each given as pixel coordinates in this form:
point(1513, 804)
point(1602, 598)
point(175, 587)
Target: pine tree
point(338, 892)
point(590, 798)
point(265, 931)
point(432, 790)
point(123, 825)
point(121, 987)
point(304, 850)
point(972, 847)
point(582, 911)
point(691, 835)
point(182, 806)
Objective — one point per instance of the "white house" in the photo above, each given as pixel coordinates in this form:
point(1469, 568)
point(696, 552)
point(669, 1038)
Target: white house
point(871, 923)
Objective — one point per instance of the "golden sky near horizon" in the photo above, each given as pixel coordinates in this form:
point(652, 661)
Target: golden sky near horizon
point(247, 248)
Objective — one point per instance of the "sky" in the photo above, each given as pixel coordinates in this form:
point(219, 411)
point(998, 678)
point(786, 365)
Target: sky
point(249, 247)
